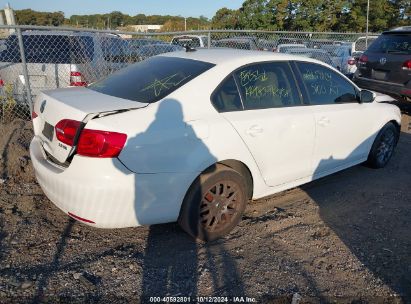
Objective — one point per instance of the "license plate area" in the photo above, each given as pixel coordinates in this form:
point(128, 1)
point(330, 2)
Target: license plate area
point(379, 75)
point(48, 131)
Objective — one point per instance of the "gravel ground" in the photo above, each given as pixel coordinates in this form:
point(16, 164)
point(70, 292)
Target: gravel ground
point(344, 238)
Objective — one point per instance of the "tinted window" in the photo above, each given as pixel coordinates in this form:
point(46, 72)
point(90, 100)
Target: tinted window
point(152, 79)
point(62, 49)
point(226, 98)
point(398, 44)
point(325, 86)
point(267, 85)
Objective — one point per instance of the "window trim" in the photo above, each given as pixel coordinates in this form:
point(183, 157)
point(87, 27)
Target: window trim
point(306, 92)
point(233, 73)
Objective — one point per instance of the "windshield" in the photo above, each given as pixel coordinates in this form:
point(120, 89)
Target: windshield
point(152, 79)
point(398, 44)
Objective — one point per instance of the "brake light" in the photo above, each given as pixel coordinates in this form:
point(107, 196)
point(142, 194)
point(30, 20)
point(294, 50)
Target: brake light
point(1, 83)
point(33, 115)
point(66, 131)
point(76, 79)
point(351, 61)
point(96, 143)
point(406, 65)
point(363, 58)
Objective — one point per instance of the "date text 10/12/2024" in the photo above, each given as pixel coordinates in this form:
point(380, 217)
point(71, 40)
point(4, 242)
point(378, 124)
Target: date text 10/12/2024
point(198, 299)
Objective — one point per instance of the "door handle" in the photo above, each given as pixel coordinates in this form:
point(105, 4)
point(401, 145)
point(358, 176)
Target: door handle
point(323, 121)
point(254, 130)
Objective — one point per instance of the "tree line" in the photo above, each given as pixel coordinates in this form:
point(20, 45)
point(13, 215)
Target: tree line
point(315, 15)
point(299, 15)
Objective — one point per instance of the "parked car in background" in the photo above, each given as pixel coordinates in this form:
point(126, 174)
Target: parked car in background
point(136, 43)
point(320, 43)
point(362, 43)
point(194, 41)
point(318, 54)
point(284, 48)
point(155, 49)
point(345, 61)
point(237, 43)
point(386, 65)
point(193, 136)
point(58, 59)
point(268, 45)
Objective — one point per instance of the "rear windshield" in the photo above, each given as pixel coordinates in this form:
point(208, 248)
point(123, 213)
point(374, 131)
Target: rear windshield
point(395, 44)
point(49, 49)
point(152, 79)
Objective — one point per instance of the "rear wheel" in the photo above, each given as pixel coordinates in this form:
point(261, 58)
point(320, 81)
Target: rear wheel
point(383, 146)
point(214, 204)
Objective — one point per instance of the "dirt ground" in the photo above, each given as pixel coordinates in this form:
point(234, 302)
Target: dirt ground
point(344, 238)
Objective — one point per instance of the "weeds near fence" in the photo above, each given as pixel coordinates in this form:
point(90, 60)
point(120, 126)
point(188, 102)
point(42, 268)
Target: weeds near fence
point(8, 103)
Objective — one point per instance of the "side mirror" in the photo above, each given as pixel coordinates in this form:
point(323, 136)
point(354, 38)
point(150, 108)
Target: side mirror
point(367, 96)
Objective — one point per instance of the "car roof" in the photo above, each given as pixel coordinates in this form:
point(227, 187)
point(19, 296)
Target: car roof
point(220, 56)
point(189, 36)
point(399, 30)
point(65, 33)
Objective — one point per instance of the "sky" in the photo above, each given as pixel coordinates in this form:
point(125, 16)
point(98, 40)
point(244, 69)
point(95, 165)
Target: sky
point(185, 8)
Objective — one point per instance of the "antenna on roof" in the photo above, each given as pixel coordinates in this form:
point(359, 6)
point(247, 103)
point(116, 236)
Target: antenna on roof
point(189, 48)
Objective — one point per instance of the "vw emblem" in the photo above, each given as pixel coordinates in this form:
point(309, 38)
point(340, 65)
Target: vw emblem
point(383, 60)
point(43, 106)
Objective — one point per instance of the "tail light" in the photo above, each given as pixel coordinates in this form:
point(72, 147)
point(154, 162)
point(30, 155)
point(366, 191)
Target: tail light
point(1, 83)
point(406, 65)
point(76, 79)
point(363, 59)
point(92, 143)
point(66, 131)
point(96, 143)
point(33, 115)
point(351, 61)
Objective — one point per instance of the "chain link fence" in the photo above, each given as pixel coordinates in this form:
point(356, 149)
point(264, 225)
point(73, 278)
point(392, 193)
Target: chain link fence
point(34, 58)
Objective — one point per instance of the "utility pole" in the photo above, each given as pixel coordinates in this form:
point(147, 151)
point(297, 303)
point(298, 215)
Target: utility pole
point(185, 24)
point(366, 31)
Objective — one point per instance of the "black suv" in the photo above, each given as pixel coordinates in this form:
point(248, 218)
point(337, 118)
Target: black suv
point(386, 65)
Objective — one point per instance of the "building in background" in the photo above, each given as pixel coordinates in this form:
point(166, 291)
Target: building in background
point(146, 28)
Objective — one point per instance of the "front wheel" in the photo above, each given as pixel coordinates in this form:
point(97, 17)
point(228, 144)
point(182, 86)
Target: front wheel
point(383, 146)
point(214, 204)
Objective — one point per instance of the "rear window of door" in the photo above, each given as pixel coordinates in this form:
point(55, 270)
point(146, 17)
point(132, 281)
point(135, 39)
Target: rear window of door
point(267, 85)
point(324, 86)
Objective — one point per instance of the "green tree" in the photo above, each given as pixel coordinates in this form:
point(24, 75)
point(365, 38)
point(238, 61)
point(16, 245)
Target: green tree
point(226, 19)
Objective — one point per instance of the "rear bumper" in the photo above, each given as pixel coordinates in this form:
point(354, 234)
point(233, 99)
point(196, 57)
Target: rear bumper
point(106, 193)
point(393, 89)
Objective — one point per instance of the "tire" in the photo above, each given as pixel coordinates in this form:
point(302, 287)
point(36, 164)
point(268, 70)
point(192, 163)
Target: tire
point(383, 146)
point(214, 204)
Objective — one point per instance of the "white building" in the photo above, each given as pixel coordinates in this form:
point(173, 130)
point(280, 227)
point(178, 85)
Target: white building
point(144, 28)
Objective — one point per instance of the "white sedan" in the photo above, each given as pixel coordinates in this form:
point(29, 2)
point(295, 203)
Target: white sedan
point(193, 136)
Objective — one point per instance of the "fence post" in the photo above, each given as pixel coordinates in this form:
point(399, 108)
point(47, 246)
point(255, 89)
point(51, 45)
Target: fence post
point(25, 72)
point(209, 39)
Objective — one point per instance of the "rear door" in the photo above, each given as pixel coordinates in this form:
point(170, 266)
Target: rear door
point(277, 129)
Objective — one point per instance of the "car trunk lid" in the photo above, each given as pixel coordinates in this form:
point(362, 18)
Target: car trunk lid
point(78, 104)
